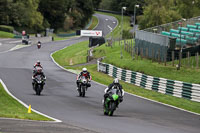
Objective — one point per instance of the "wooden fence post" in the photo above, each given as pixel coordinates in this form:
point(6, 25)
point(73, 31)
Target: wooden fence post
point(165, 59)
point(188, 56)
point(159, 56)
point(124, 45)
point(146, 52)
point(197, 59)
point(152, 55)
point(172, 58)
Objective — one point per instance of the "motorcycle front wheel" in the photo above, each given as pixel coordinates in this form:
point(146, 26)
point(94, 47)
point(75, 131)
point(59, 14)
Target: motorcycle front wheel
point(83, 90)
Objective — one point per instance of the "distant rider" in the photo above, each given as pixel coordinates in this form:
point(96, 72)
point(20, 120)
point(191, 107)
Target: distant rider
point(87, 76)
point(39, 44)
point(117, 85)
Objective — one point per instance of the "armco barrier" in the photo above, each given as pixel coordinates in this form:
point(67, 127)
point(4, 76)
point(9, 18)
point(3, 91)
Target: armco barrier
point(162, 85)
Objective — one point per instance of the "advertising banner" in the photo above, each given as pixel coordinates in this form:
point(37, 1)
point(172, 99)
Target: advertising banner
point(96, 33)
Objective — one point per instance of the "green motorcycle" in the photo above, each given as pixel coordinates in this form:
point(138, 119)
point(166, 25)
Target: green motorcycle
point(111, 102)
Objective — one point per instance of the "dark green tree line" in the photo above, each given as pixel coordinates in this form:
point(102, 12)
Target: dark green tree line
point(155, 12)
point(40, 14)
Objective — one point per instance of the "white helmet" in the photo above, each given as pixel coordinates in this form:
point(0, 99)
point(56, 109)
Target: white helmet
point(38, 61)
point(116, 81)
point(84, 70)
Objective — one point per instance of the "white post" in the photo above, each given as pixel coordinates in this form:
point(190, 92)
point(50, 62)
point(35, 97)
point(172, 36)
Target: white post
point(135, 14)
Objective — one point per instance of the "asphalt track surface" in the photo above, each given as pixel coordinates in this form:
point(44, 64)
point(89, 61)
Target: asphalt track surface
point(60, 99)
point(7, 43)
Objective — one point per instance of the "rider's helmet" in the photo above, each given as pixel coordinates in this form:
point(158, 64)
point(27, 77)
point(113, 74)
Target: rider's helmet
point(38, 62)
point(84, 70)
point(39, 70)
point(116, 81)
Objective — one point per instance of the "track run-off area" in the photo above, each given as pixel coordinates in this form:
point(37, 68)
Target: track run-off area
point(60, 100)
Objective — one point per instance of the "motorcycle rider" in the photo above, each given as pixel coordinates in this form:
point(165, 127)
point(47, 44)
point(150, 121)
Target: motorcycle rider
point(39, 44)
point(117, 85)
point(38, 72)
point(87, 76)
point(37, 64)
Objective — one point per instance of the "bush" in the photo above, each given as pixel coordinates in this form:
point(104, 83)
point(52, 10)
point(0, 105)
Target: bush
point(127, 34)
point(6, 28)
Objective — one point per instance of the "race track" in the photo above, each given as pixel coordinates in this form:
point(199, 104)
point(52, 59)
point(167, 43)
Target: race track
point(60, 100)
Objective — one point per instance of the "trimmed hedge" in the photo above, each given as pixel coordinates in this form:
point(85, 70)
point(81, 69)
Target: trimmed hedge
point(6, 28)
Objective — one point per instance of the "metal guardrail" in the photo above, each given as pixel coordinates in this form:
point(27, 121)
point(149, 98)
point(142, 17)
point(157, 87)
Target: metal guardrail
point(172, 87)
point(152, 37)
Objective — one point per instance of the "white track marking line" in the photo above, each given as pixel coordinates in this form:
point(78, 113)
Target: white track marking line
point(0, 44)
point(16, 41)
point(6, 89)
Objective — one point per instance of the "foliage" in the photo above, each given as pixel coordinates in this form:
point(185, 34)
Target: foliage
point(96, 3)
point(37, 15)
point(127, 34)
point(158, 12)
point(6, 28)
point(21, 13)
point(116, 5)
point(155, 12)
point(187, 8)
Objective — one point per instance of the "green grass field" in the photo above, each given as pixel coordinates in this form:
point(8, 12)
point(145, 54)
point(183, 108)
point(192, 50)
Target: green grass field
point(62, 58)
point(10, 108)
point(72, 55)
point(4, 34)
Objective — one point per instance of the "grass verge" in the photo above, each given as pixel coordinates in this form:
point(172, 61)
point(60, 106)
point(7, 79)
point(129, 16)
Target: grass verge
point(4, 34)
point(72, 55)
point(94, 23)
point(105, 79)
point(146, 66)
point(10, 108)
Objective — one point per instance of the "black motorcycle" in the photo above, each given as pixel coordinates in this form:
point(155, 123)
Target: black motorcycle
point(83, 82)
point(39, 82)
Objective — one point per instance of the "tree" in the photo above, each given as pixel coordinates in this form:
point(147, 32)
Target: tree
point(158, 12)
point(96, 3)
point(5, 10)
point(53, 12)
point(188, 8)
